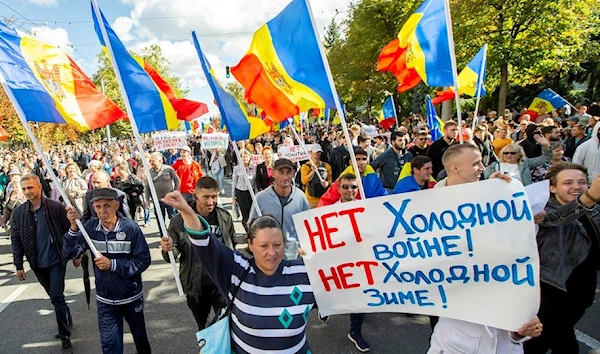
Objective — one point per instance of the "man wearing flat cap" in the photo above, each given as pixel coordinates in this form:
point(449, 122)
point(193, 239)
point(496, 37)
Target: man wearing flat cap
point(282, 200)
point(124, 255)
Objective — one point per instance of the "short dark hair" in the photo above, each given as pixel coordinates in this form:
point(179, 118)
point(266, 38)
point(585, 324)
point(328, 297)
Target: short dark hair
point(348, 177)
point(396, 135)
point(207, 183)
point(451, 123)
point(548, 129)
point(455, 150)
point(418, 162)
point(557, 168)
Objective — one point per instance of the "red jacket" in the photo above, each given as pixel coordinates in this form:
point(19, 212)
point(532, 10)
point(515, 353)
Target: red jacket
point(188, 175)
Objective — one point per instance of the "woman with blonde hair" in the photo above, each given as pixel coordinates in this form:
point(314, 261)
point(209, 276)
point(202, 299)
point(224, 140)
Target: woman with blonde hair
point(514, 163)
point(74, 185)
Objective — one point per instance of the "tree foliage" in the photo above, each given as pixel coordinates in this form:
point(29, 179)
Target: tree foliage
point(533, 44)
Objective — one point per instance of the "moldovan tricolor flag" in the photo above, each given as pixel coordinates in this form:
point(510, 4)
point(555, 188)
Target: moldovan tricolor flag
point(469, 82)
point(49, 86)
point(387, 118)
point(239, 125)
point(546, 102)
point(283, 71)
point(153, 103)
point(421, 52)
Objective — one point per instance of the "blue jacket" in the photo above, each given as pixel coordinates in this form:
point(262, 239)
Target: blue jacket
point(389, 164)
point(406, 184)
point(129, 256)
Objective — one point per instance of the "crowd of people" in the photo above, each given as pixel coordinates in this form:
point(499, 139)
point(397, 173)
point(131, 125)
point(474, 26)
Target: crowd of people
point(108, 190)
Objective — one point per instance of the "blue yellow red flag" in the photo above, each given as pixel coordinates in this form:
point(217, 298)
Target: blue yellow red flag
point(49, 86)
point(435, 124)
point(387, 118)
point(283, 71)
point(469, 82)
point(239, 125)
point(421, 52)
point(153, 103)
point(546, 102)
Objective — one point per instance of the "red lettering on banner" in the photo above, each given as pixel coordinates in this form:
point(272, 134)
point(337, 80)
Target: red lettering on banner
point(314, 234)
point(350, 213)
point(325, 279)
point(330, 230)
point(344, 276)
point(367, 265)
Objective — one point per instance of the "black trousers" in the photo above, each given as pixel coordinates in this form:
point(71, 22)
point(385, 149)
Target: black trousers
point(200, 304)
point(356, 321)
point(53, 280)
point(559, 312)
point(245, 202)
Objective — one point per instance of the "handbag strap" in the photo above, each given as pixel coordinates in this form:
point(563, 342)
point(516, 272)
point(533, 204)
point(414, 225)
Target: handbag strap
point(235, 290)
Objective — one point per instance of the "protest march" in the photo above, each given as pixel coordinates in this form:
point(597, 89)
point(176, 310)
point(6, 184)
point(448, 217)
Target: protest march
point(433, 196)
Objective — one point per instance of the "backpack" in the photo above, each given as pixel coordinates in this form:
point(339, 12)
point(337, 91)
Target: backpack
point(315, 188)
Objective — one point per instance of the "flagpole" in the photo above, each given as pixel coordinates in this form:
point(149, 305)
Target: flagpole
point(454, 70)
point(40, 151)
point(108, 140)
point(338, 104)
point(479, 88)
point(303, 147)
point(140, 146)
point(395, 113)
point(250, 189)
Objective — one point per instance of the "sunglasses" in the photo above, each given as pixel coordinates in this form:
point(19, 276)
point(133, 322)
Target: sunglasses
point(510, 153)
point(361, 159)
point(348, 186)
point(422, 138)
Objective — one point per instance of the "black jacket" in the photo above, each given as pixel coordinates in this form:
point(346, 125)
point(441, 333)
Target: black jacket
point(571, 145)
point(435, 153)
point(23, 231)
point(190, 268)
point(563, 241)
point(339, 160)
point(262, 177)
point(487, 151)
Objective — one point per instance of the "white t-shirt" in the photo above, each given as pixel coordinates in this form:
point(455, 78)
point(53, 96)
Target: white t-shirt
point(510, 169)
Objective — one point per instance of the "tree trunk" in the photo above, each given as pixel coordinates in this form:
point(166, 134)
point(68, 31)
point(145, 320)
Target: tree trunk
point(503, 88)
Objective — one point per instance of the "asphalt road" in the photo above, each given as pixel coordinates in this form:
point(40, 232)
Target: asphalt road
point(28, 324)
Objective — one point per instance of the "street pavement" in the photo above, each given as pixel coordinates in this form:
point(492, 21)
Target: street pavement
point(28, 323)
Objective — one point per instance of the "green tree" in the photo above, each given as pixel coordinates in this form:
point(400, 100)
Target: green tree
point(333, 36)
point(154, 57)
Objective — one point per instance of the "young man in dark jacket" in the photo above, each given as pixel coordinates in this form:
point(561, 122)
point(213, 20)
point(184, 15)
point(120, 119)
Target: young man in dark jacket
point(569, 257)
point(201, 292)
point(390, 163)
point(124, 255)
point(36, 232)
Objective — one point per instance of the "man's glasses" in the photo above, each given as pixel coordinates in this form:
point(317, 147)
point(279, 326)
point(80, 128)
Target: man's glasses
point(422, 139)
point(348, 186)
point(510, 153)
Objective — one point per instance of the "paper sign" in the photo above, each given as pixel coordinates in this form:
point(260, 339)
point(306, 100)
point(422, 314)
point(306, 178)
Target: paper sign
point(370, 130)
point(538, 194)
point(215, 141)
point(466, 252)
point(293, 153)
point(169, 140)
point(256, 159)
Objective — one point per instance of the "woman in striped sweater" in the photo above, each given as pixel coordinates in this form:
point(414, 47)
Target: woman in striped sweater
point(271, 308)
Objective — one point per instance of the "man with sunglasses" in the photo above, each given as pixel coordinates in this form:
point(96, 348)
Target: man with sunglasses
point(420, 146)
point(371, 183)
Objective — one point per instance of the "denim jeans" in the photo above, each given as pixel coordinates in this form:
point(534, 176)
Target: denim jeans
point(53, 280)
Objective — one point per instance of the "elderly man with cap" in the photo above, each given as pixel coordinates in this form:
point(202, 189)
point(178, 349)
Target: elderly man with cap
point(188, 171)
point(315, 186)
point(101, 179)
point(124, 255)
point(282, 200)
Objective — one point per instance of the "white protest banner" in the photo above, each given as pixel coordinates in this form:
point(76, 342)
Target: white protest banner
point(466, 252)
point(215, 141)
point(293, 153)
point(370, 130)
point(169, 140)
point(256, 159)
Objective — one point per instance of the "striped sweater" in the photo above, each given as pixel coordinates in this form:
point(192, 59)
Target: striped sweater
point(269, 313)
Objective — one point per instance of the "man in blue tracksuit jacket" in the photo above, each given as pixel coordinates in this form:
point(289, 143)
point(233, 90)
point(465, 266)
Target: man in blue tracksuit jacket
point(124, 256)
